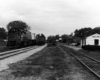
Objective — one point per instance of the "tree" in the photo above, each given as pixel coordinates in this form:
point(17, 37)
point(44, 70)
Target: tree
point(3, 33)
point(51, 40)
point(83, 32)
point(65, 38)
point(19, 25)
point(96, 30)
point(57, 37)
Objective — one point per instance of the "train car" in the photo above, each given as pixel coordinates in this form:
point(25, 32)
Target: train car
point(26, 39)
point(14, 38)
point(18, 39)
point(33, 41)
point(40, 39)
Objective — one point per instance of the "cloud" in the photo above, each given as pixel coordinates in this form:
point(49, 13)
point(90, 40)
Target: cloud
point(51, 16)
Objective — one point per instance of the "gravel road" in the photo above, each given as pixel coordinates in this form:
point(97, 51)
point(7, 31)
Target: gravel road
point(5, 62)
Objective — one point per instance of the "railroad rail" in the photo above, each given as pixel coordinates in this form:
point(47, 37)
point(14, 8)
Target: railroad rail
point(10, 53)
point(90, 63)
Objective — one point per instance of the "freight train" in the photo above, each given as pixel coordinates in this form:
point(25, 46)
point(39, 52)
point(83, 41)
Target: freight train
point(40, 39)
point(17, 38)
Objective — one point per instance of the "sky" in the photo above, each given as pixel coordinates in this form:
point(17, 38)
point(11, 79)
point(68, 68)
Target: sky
point(51, 17)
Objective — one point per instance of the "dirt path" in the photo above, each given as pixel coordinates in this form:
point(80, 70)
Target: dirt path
point(5, 62)
point(49, 64)
point(74, 47)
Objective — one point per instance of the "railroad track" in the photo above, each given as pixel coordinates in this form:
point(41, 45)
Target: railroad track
point(10, 53)
point(90, 63)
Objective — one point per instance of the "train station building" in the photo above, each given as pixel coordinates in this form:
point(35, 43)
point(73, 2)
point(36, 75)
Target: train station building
point(93, 40)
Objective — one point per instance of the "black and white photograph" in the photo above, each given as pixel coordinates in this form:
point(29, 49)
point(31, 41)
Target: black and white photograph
point(49, 39)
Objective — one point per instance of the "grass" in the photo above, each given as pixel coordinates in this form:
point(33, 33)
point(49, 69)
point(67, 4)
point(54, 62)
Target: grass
point(49, 64)
point(95, 54)
point(50, 60)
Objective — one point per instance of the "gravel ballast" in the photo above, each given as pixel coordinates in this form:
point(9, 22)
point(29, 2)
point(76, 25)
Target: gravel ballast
point(48, 64)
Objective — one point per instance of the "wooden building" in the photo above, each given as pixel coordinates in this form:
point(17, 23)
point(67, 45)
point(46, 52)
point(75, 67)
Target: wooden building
point(93, 40)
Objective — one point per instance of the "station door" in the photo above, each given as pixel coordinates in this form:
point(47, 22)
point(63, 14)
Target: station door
point(96, 42)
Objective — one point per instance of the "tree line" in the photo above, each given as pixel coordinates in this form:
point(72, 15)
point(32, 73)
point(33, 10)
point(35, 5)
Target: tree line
point(76, 36)
point(73, 37)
